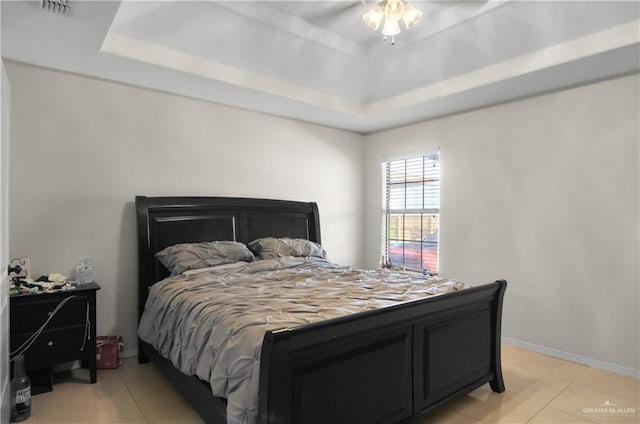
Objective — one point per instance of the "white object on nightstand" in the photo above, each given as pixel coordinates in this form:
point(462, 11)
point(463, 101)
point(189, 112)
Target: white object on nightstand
point(24, 264)
point(84, 271)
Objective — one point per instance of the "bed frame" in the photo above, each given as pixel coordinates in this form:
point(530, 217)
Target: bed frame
point(383, 366)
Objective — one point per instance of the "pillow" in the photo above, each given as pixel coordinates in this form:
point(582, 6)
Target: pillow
point(185, 256)
point(272, 248)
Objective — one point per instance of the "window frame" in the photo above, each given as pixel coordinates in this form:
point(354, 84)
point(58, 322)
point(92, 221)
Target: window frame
point(425, 214)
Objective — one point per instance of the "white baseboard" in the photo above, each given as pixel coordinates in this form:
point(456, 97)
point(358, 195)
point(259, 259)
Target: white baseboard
point(129, 353)
point(66, 366)
point(594, 363)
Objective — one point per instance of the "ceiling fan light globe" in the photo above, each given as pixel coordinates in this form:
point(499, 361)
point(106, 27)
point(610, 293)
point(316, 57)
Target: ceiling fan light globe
point(373, 18)
point(411, 16)
point(394, 9)
point(391, 27)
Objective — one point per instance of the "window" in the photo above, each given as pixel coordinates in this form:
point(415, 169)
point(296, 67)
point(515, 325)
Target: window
point(411, 213)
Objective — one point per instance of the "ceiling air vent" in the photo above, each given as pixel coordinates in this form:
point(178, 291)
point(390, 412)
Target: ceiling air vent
point(57, 6)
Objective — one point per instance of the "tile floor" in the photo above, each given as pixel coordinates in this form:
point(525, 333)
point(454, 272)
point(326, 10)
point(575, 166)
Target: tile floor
point(540, 389)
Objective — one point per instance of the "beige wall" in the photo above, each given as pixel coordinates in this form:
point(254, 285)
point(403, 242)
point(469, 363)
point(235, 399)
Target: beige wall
point(82, 148)
point(543, 193)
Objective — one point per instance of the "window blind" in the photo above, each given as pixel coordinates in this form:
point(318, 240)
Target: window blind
point(411, 213)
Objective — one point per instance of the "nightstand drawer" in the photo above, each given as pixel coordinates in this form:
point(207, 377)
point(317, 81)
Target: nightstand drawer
point(29, 316)
point(51, 346)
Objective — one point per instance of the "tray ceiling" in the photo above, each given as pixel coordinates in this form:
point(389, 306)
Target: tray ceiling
point(316, 60)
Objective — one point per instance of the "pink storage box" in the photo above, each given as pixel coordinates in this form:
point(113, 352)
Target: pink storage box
point(108, 351)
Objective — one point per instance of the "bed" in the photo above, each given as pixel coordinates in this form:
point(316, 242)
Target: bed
point(387, 365)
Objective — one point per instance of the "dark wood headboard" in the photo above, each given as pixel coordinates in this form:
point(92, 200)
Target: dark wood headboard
point(164, 221)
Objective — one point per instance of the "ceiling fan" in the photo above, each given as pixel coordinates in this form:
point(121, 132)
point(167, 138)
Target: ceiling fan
point(392, 12)
point(385, 14)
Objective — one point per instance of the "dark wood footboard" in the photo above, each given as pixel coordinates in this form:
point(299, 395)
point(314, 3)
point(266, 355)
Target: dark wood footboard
point(384, 366)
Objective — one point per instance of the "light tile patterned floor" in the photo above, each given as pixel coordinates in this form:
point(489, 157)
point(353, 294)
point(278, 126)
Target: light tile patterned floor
point(540, 389)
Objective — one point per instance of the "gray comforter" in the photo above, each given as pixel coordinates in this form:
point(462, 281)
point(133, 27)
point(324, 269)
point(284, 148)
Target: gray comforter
point(211, 322)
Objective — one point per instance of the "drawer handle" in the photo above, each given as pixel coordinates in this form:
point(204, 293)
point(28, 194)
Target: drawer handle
point(50, 343)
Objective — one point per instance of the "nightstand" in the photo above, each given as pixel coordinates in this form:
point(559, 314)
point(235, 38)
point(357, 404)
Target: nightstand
point(69, 336)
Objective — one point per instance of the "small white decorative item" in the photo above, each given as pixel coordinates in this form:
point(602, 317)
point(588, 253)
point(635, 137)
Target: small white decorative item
point(84, 271)
point(20, 268)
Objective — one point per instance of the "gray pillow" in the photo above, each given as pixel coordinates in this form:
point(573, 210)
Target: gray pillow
point(185, 256)
point(272, 248)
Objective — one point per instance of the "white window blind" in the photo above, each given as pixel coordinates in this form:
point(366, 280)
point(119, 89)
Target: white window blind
point(411, 213)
